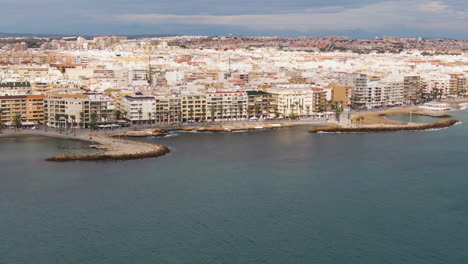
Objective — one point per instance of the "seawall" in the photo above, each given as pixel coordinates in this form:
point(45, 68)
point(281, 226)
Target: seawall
point(373, 129)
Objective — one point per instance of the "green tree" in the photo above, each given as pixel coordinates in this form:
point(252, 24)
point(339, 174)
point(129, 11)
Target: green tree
point(241, 110)
point(140, 112)
point(118, 114)
point(82, 119)
point(149, 117)
point(17, 121)
point(191, 113)
point(212, 112)
point(203, 113)
point(104, 116)
point(57, 120)
point(46, 118)
point(73, 118)
point(93, 122)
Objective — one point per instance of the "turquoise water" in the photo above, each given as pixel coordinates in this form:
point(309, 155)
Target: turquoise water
point(279, 196)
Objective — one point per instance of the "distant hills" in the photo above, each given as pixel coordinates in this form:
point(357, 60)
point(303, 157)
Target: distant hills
point(29, 35)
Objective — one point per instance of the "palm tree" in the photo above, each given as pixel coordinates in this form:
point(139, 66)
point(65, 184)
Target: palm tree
point(204, 113)
point(257, 110)
point(17, 121)
point(46, 117)
point(168, 115)
point(73, 118)
point(308, 110)
point(251, 110)
point(82, 119)
point(301, 108)
point(57, 119)
point(104, 116)
point(140, 116)
point(191, 113)
point(241, 110)
point(2, 125)
point(92, 124)
point(149, 117)
point(221, 112)
point(118, 114)
point(212, 112)
point(66, 121)
point(179, 116)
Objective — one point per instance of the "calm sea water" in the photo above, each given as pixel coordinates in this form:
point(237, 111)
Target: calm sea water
point(280, 196)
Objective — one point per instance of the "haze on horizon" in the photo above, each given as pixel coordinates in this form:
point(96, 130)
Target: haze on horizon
point(357, 19)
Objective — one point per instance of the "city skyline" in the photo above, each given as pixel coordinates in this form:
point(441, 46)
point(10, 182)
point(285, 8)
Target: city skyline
point(360, 19)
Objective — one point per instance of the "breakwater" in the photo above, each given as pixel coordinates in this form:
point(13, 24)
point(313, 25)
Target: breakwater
point(230, 128)
point(372, 129)
point(162, 150)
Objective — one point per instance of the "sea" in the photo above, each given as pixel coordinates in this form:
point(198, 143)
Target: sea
point(274, 196)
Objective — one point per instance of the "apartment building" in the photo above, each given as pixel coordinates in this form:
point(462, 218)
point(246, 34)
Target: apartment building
point(226, 106)
point(29, 107)
point(139, 109)
point(457, 84)
point(263, 103)
point(194, 107)
point(357, 81)
point(319, 101)
point(293, 100)
point(82, 109)
point(168, 110)
point(341, 93)
point(412, 87)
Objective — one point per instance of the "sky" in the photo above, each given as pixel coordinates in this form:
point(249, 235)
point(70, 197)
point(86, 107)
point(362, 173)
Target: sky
point(353, 18)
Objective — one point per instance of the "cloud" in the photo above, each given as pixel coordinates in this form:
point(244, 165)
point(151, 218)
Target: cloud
point(435, 18)
point(420, 14)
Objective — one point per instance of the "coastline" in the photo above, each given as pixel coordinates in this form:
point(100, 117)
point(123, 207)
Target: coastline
point(368, 129)
point(111, 148)
point(378, 117)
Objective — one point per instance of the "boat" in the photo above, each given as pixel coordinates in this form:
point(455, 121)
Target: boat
point(436, 106)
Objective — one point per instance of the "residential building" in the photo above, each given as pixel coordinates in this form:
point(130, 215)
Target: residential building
point(139, 109)
point(226, 106)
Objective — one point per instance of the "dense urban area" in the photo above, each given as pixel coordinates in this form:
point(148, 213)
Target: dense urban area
point(118, 81)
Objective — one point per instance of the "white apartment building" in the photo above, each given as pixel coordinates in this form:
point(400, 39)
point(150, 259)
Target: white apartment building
point(138, 109)
point(293, 100)
point(80, 108)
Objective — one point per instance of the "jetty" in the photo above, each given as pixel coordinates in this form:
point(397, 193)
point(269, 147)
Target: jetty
point(386, 128)
point(230, 128)
point(115, 149)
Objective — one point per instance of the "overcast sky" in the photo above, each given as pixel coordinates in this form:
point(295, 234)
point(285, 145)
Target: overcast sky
point(354, 18)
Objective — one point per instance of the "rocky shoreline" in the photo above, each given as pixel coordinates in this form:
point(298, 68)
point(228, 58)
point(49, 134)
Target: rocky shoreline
point(372, 129)
point(162, 150)
point(142, 133)
point(230, 128)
